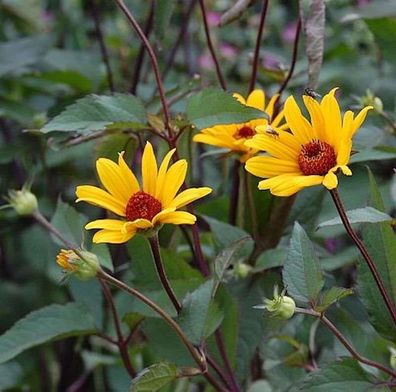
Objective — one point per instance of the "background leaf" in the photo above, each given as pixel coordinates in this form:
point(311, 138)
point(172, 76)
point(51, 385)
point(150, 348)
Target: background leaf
point(154, 378)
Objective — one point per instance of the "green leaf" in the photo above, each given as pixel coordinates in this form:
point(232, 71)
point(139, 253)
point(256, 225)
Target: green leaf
point(98, 112)
point(225, 258)
point(383, 30)
point(271, 258)
point(69, 222)
point(153, 378)
point(43, 325)
point(104, 256)
point(380, 241)
point(10, 375)
point(213, 106)
point(331, 296)
point(200, 316)
point(315, 32)
point(340, 376)
point(302, 275)
point(359, 215)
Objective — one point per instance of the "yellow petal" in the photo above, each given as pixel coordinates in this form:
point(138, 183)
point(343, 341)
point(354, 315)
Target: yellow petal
point(332, 117)
point(270, 167)
point(108, 224)
point(179, 218)
point(270, 108)
point(239, 98)
point(330, 180)
point(287, 185)
point(358, 121)
point(174, 180)
point(142, 224)
point(127, 174)
point(188, 196)
point(317, 120)
point(299, 125)
point(256, 99)
point(112, 237)
point(346, 170)
point(344, 151)
point(99, 197)
point(149, 170)
point(112, 179)
point(160, 215)
point(218, 141)
point(162, 173)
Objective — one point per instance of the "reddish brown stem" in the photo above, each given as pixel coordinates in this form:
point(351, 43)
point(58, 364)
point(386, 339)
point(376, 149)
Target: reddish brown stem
point(257, 48)
point(210, 46)
point(359, 244)
point(234, 197)
point(154, 63)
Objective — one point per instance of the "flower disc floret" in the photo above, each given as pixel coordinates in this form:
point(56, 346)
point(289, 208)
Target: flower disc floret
point(311, 153)
point(141, 207)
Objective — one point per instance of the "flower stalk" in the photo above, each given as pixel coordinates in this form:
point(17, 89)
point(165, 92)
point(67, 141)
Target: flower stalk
point(359, 244)
point(159, 265)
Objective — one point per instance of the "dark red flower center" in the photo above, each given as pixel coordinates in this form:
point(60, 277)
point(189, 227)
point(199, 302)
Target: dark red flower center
point(141, 205)
point(244, 133)
point(316, 158)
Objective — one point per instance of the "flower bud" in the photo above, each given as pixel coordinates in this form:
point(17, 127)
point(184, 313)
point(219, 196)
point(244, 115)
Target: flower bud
point(242, 270)
point(23, 201)
point(280, 306)
point(371, 100)
point(83, 265)
point(392, 359)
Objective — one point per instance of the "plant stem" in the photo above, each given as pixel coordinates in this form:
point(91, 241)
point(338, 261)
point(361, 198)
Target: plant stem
point(221, 346)
point(155, 249)
point(257, 48)
point(154, 63)
point(121, 343)
point(196, 354)
point(102, 45)
point(210, 46)
point(338, 334)
point(251, 205)
point(358, 242)
point(233, 209)
point(140, 56)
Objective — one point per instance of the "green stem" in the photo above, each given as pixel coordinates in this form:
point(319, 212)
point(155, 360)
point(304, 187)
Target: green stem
point(338, 334)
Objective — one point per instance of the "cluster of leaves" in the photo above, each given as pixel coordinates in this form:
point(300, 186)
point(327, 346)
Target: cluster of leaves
point(57, 115)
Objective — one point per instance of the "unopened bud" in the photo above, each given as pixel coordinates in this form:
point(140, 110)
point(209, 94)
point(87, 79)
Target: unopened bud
point(23, 201)
point(242, 270)
point(84, 265)
point(280, 306)
point(371, 100)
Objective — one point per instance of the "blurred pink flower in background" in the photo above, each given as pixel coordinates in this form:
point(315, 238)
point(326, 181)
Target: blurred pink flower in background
point(289, 33)
point(213, 18)
point(228, 51)
point(270, 61)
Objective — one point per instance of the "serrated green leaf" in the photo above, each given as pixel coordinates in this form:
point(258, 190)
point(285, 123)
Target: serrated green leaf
point(153, 378)
point(359, 215)
point(200, 316)
point(380, 241)
point(341, 376)
point(98, 112)
point(331, 296)
point(69, 222)
point(213, 106)
point(43, 325)
point(302, 275)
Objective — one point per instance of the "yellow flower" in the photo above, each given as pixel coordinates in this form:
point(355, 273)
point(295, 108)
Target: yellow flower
point(233, 136)
point(84, 265)
point(67, 259)
point(312, 153)
point(143, 208)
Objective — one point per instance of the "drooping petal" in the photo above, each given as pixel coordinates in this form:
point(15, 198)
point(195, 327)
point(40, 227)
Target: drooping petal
point(269, 167)
point(274, 145)
point(330, 180)
point(142, 224)
point(163, 213)
point(112, 179)
point(218, 140)
point(108, 224)
point(188, 196)
point(149, 170)
point(174, 180)
point(256, 99)
point(162, 173)
point(299, 125)
point(289, 184)
point(179, 218)
point(101, 198)
point(112, 237)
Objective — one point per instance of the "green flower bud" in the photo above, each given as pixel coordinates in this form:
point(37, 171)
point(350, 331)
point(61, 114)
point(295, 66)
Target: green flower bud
point(23, 201)
point(242, 270)
point(83, 265)
point(392, 359)
point(280, 306)
point(371, 100)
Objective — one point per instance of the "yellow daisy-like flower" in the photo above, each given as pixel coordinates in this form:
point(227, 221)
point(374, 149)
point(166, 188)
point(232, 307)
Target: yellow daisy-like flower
point(233, 136)
point(312, 153)
point(143, 208)
point(66, 260)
